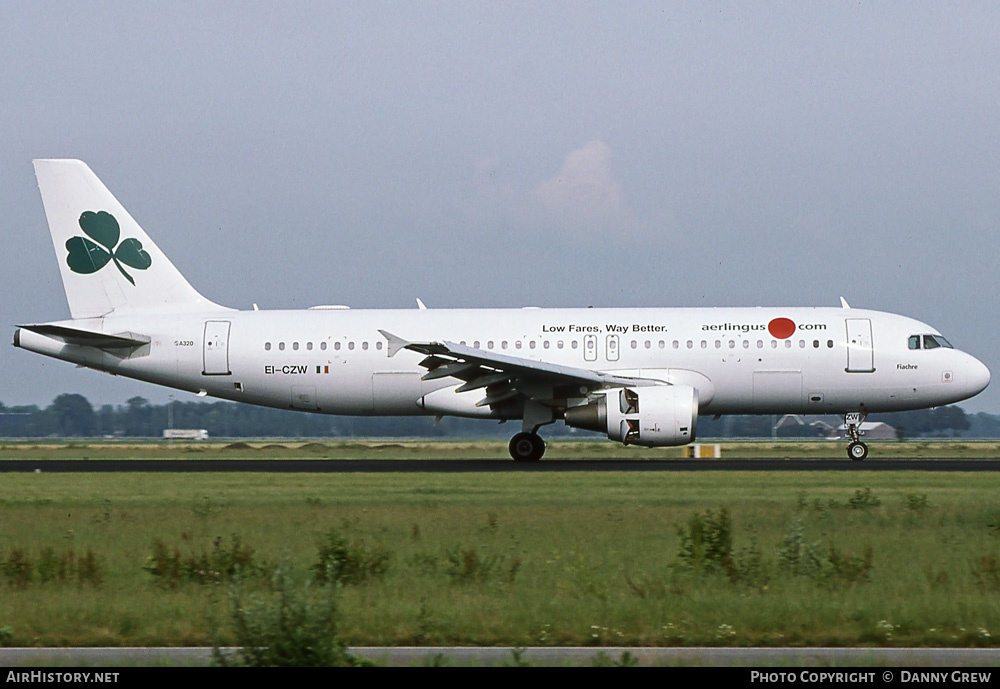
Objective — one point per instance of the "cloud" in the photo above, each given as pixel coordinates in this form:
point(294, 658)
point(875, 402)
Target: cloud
point(584, 192)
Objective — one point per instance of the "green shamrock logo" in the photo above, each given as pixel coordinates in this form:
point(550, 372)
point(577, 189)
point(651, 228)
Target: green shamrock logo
point(86, 256)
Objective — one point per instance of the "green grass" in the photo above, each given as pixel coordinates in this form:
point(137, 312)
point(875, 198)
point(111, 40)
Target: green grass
point(515, 559)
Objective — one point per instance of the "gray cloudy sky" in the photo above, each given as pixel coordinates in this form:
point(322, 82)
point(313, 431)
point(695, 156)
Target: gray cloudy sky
point(516, 153)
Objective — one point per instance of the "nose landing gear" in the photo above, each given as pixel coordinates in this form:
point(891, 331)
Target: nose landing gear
point(857, 450)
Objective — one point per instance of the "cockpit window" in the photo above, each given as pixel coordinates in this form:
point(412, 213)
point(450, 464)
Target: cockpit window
point(927, 342)
point(935, 341)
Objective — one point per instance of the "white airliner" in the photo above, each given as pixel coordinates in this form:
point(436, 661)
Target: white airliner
point(640, 376)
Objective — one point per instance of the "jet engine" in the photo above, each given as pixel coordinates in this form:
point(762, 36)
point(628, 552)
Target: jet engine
point(655, 416)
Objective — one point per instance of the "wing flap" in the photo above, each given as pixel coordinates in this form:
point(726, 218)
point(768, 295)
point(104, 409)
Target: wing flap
point(483, 382)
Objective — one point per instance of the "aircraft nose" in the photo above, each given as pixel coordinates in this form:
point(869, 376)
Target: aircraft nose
point(977, 376)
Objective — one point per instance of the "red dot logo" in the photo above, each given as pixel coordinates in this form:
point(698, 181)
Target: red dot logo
point(781, 328)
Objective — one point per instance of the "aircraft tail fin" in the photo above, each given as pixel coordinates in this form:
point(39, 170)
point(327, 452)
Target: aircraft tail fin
point(107, 262)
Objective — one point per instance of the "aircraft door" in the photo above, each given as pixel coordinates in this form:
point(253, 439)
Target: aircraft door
point(590, 347)
point(860, 352)
point(216, 354)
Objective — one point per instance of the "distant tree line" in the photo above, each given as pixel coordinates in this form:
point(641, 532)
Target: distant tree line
point(72, 415)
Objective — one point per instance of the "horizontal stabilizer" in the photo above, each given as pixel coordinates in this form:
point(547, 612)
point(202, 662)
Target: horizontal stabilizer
point(88, 338)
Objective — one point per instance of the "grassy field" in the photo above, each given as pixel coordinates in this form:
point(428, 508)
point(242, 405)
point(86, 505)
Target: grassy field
point(679, 558)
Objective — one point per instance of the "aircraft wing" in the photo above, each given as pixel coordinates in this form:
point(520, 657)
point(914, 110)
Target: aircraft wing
point(506, 376)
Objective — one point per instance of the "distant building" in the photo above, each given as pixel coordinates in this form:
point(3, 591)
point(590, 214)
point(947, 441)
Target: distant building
point(794, 425)
point(874, 430)
point(11, 420)
point(185, 434)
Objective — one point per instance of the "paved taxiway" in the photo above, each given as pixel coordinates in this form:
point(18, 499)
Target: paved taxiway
point(542, 656)
point(485, 465)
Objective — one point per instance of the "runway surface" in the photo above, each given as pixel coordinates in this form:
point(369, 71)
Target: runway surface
point(485, 465)
point(873, 659)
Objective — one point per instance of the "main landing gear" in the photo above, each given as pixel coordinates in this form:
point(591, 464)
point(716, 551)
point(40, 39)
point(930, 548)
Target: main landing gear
point(526, 447)
point(857, 450)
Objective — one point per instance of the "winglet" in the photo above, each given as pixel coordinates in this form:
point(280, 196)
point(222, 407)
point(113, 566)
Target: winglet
point(420, 305)
point(396, 343)
point(844, 304)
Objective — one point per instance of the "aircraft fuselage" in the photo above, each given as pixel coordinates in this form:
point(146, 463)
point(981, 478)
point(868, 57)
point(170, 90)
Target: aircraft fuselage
point(740, 360)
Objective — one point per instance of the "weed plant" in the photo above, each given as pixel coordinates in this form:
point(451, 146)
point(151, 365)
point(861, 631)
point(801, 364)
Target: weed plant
point(20, 569)
point(294, 625)
point(341, 561)
point(221, 564)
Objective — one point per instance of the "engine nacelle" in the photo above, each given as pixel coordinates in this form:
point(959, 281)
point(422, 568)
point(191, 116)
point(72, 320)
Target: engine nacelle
point(655, 416)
